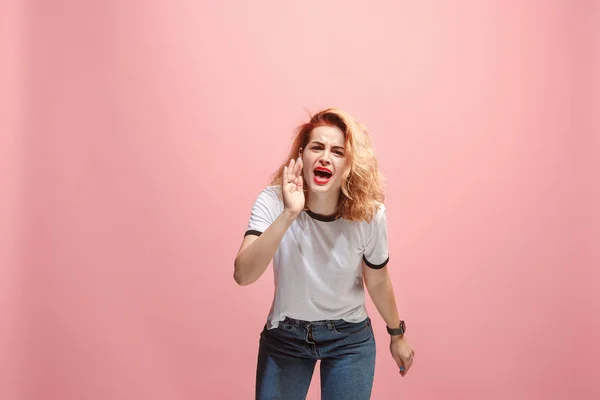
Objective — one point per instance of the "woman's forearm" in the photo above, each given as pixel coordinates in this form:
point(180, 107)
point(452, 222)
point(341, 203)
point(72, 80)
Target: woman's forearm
point(382, 294)
point(252, 261)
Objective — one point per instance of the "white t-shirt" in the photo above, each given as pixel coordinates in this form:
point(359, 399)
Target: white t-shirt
point(318, 263)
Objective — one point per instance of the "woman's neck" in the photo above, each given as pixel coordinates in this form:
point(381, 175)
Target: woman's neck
point(323, 203)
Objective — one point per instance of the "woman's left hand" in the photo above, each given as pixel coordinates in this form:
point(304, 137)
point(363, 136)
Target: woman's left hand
point(402, 352)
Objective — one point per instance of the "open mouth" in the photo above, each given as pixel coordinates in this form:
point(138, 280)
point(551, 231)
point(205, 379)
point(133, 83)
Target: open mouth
point(322, 175)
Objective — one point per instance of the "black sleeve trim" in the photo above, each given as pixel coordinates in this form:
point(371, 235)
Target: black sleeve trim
point(375, 266)
point(252, 232)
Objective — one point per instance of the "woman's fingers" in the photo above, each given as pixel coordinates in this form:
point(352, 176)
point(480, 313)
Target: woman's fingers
point(292, 169)
point(405, 364)
point(292, 174)
point(298, 169)
point(299, 183)
point(288, 174)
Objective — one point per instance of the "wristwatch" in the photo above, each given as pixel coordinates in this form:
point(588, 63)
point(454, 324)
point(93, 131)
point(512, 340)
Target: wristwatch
point(397, 331)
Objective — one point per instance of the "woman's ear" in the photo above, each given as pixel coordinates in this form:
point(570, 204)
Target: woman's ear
point(300, 152)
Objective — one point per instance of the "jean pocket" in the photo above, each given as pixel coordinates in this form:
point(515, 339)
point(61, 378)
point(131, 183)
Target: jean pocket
point(344, 328)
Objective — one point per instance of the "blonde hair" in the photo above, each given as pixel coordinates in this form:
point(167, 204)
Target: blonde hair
point(362, 188)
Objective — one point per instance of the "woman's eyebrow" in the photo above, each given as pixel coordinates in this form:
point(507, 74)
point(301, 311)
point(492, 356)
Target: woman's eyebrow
point(322, 144)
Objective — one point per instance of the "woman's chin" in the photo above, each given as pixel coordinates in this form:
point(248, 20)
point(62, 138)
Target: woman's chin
point(322, 189)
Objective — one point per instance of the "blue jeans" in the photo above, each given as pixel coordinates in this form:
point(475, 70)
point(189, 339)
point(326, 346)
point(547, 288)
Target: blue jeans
point(287, 356)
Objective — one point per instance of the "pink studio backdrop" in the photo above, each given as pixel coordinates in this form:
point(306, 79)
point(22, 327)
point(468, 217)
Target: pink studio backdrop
point(136, 136)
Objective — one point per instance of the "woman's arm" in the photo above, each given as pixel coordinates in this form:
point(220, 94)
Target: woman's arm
point(256, 252)
point(379, 286)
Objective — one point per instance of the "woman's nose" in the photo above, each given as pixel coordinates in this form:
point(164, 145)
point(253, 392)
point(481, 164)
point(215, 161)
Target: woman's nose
point(325, 157)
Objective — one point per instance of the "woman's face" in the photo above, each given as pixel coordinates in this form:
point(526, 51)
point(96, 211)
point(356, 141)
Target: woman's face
point(324, 159)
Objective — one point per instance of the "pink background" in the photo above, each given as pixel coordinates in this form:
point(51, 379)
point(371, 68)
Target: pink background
point(136, 136)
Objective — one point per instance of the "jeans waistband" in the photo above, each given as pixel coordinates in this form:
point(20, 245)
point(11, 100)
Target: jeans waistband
point(324, 322)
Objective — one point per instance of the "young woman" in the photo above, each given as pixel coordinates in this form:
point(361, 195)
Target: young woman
point(322, 221)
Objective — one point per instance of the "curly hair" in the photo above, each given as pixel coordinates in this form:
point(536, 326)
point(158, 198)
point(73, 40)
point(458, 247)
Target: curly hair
point(363, 184)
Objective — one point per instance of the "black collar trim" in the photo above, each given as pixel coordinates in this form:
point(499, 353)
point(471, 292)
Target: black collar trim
point(324, 218)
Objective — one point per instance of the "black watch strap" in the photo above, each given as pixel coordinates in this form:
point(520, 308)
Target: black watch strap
point(397, 331)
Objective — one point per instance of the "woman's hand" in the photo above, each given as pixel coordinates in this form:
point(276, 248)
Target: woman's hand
point(402, 352)
point(292, 187)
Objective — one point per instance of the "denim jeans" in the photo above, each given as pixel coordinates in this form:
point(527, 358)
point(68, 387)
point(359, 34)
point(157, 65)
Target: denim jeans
point(287, 356)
